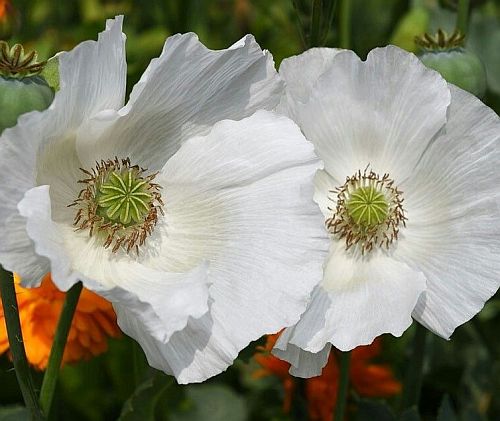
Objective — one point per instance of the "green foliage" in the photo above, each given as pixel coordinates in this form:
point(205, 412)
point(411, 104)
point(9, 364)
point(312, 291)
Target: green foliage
point(374, 410)
point(209, 402)
point(414, 22)
point(484, 39)
point(51, 73)
point(373, 23)
point(410, 414)
point(14, 413)
point(446, 411)
point(142, 405)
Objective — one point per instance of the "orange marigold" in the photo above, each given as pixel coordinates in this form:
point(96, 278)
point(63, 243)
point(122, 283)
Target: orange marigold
point(366, 378)
point(39, 309)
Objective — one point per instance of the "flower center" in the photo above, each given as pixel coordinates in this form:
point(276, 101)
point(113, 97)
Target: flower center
point(124, 197)
point(367, 207)
point(368, 211)
point(119, 202)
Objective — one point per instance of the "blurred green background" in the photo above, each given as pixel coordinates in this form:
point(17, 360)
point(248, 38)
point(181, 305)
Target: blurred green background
point(462, 376)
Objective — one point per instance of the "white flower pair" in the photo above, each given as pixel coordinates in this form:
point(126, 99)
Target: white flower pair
point(191, 207)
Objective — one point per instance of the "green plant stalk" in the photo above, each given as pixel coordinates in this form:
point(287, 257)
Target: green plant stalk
point(57, 351)
point(345, 24)
point(463, 16)
point(15, 335)
point(328, 22)
point(299, 24)
point(139, 363)
point(345, 359)
point(485, 338)
point(414, 374)
point(316, 24)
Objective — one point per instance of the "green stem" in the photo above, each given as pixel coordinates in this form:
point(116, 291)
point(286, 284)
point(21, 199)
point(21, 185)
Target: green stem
point(57, 351)
point(23, 373)
point(345, 23)
point(463, 15)
point(414, 373)
point(485, 338)
point(330, 13)
point(299, 23)
point(139, 363)
point(345, 359)
point(315, 30)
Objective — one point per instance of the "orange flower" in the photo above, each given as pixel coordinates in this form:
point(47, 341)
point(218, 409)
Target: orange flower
point(366, 378)
point(39, 310)
point(372, 380)
point(4, 5)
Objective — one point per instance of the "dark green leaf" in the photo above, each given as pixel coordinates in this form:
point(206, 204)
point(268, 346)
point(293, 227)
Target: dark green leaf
point(51, 73)
point(373, 410)
point(410, 414)
point(483, 39)
point(212, 403)
point(142, 404)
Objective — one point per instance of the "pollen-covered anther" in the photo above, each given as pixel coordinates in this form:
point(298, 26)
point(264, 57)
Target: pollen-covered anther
point(119, 203)
point(368, 211)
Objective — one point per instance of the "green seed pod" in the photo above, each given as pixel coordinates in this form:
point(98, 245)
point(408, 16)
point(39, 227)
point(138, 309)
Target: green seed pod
point(446, 55)
point(460, 67)
point(20, 96)
point(21, 88)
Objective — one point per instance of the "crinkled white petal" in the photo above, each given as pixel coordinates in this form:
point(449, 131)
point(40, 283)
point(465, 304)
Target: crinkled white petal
point(162, 301)
point(393, 115)
point(182, 94)
point(241, 197)
point(382, 112)
point(302, 363)
point(180, 356)
point(36, 208)
point(358, 300)
point(453, 228)
point(300, 73)
point(92, 78)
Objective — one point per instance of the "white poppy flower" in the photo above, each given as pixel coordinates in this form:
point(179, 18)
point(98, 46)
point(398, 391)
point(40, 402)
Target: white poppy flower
point(409, 194)
point(190, 212)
